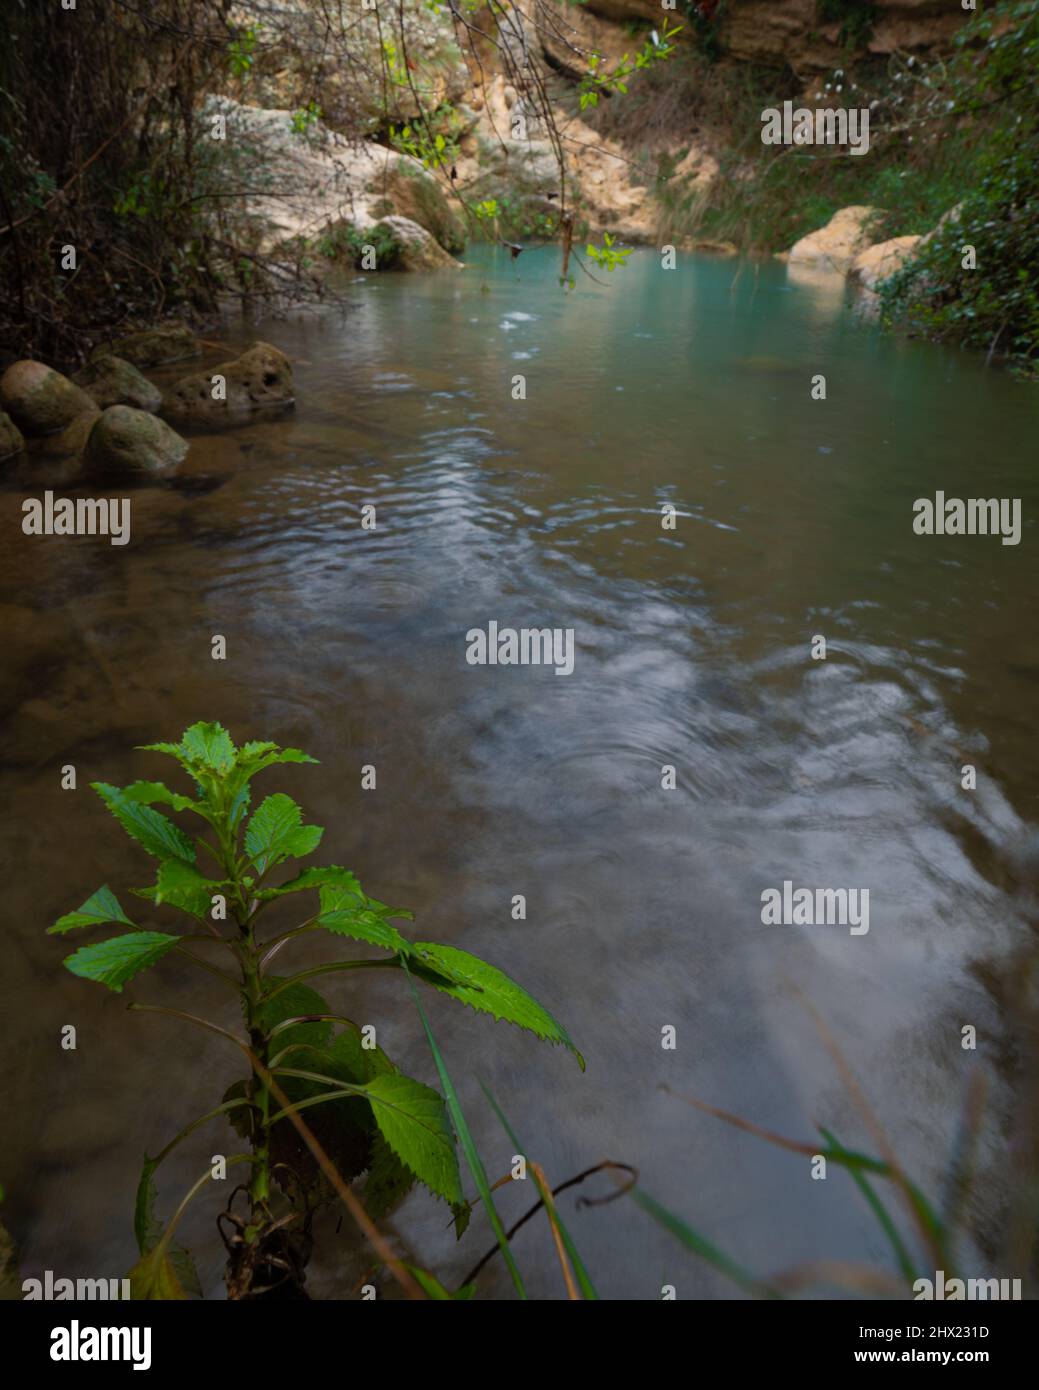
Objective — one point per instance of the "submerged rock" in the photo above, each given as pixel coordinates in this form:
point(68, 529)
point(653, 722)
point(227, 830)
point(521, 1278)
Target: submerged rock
point(11, 441)
point(131, 443)
point(170, 342)
point(40, 400)
point(836, 245)
point(260, 379)
point(111, 380)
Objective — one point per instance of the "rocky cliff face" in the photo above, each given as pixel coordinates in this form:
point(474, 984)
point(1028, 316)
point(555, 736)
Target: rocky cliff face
point(777, 33)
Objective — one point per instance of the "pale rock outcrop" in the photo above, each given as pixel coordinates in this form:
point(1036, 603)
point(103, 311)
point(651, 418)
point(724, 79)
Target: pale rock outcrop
point(311, 181)
point(128, 443)
point(419, 249)
point(261, 378)
point(40, 400)
point(881, 260)
point(111, 380)
point(835, 246)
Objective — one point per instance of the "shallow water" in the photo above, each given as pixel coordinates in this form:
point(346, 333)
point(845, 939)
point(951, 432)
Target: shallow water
point(692, 649)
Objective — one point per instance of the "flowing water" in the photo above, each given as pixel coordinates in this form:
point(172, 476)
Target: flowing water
point(693, 649)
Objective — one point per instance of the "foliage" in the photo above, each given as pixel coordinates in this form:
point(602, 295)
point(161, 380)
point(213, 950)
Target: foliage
point(233, 863)
point(994, 307)
point(607, 256)
point(855, 18)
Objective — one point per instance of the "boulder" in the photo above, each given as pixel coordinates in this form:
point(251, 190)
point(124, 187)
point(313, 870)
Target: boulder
point(11, 441)
point(411, 192)
point(836, 245)
point(40, 400)
point(112, 380)
point(130, 443)
point(260, 379)
point(418, 249)
point(877, 262)
point(170, 342)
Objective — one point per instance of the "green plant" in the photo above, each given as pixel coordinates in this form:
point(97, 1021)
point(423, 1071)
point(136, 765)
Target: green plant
point(364, 1114)
point(598, 80)
point(607, 256)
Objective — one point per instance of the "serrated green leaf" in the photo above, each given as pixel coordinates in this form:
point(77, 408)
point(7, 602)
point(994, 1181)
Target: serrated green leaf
point(210, 746)
point(265, 755)
point(115, 961)
point(363, 925)
point(388, 1181)
point(342, 879)
point(148, 1230)
point(100, 907)
point(274, 832)
point(147, 793)
point(149, 828)
point(485, 988)
point(413, 1121)
point(153, 1278)
point(181, 885)
point(293, 1002)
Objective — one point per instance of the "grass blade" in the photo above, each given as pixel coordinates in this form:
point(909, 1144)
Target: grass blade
point(465, 1139)
point(699, 1245)
point(583, 1277)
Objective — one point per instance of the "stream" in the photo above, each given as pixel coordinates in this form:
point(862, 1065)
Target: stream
point(692, 649)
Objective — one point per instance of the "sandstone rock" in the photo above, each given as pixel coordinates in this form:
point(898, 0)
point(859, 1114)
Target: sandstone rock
point(40, 400)
point(836, 245)
point(170, 342)
point(419, 251)
point(112, 380)
point(133, 444)
point(260, 379)
point(877, 262)
point(405, 191)
point(11, 441)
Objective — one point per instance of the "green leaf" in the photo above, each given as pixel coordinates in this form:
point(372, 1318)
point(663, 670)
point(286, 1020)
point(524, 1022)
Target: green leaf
point(486, 989)
point(210, 746)
point(149, 828)
point(148, 1230)
point(147, 793)
point(293, 1002)
point(274, 833)
point(700, 1245)
point(102, 906)
point(341, 879)
point(465, 1138)
point(181, 885)
point(153, 1278)
point(388, 1181)
point(112, 963)
point(362, 924)
point(413, 1122)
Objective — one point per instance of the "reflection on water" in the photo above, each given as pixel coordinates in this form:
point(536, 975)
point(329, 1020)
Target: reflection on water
point(794, 518)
